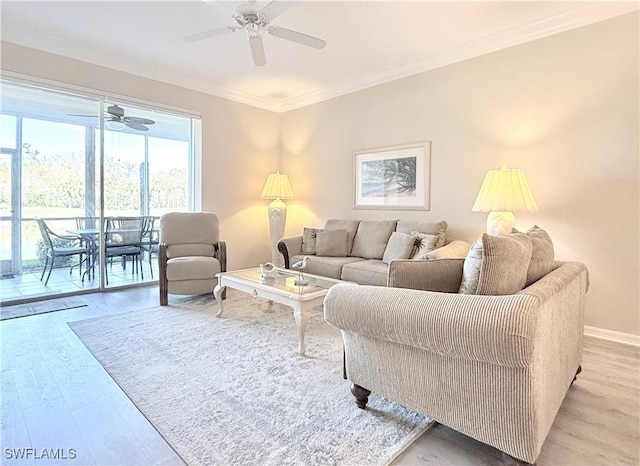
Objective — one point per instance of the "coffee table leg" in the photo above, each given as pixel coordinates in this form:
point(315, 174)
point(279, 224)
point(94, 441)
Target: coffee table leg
point(301, 315)
point(217, 292)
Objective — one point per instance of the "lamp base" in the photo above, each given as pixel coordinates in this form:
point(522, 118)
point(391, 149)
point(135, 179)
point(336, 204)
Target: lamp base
point(500, 223)
point(277, 220)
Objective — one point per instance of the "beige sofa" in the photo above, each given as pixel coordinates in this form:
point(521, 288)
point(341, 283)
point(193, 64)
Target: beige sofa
point(494, 367)
point(363, 249)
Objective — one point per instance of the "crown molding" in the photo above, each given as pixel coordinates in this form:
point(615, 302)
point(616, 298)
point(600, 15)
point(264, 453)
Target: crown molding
point(232, 94)
point(583, 15)
point(23, 37)
point(578, 17)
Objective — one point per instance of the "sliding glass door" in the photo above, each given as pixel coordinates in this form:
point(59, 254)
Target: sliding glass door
point(44, 160)
point(78, 165)
point(7, 156)
point(146, 173)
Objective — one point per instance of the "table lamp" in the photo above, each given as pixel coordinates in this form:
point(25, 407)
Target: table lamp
point(503, 192)
point(277, 187)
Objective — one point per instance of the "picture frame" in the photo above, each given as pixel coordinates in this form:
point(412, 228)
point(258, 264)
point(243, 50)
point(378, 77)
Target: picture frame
point(394, 178)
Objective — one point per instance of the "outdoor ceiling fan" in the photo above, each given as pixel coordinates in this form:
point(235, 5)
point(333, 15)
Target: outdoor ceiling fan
point(115, 119)
point(253, 20)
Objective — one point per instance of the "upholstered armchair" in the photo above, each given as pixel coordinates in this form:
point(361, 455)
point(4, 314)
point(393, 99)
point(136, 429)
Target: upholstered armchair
point(495, 367)
point(190, 254)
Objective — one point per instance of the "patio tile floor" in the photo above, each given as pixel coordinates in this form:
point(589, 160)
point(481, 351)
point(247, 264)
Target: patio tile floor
point(28, 285)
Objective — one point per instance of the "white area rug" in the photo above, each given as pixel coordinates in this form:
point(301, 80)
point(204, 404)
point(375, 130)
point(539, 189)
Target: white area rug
point(233, 390)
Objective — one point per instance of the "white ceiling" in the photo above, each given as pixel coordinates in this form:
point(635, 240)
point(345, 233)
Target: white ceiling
point(368, 42)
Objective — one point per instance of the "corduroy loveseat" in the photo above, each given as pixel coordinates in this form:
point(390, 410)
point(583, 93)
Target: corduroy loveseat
point(491, 357)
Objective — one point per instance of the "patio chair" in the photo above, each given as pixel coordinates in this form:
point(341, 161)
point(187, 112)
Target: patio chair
point(150, 239)
point(84, 224)
point(53, 249)
point(123, 238)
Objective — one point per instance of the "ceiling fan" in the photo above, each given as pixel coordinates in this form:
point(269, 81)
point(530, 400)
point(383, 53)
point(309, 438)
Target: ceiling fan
point(115, 119)
point(252, 19)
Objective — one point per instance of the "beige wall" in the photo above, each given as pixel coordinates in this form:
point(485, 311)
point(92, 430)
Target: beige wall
point(563, 108)
point(240, 143)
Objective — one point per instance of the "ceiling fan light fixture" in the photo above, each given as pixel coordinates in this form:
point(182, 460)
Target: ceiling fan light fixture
point(114, 125)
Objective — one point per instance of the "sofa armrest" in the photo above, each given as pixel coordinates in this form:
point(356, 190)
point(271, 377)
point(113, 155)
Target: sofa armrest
point(289, 247)
point(442, 275)
point(560, 278)
point(163, 284)
point(220, 253)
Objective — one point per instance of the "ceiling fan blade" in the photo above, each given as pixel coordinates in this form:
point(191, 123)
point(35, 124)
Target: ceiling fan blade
point(211, 33)
point(257, 50)
point(75, 114)
point(276, 8)
point(300, 38)
point(144, 121)
point(229, 4)
point(135, 125)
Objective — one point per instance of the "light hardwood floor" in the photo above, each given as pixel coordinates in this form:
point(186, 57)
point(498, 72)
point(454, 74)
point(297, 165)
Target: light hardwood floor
point(55, 395)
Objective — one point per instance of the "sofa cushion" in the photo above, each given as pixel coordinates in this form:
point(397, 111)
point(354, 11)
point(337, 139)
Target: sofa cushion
point(542, 255)
point(400, 246)
point(331, 243)
point(190, 249)
point(192, 268)
point(350, 225)
point(497, 265)
point(423, 244)
point(325, 266)
point(369, 272)
point(309, 240)
point(432, 228)
point(372, 238)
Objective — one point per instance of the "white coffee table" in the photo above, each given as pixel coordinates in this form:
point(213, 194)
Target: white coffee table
point(280, 289)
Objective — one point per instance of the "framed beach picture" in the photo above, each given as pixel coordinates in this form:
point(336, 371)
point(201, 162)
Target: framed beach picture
point(395, 178)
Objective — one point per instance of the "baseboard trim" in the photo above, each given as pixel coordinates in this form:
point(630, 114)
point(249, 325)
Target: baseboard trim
point(611, 335)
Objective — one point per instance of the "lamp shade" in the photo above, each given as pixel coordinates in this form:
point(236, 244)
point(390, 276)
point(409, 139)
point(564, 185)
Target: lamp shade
point(505, 189)
point(277, 187)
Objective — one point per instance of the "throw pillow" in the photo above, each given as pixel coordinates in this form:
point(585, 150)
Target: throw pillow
point(372, 238)
point(471, 269)
point(309, 241)
point(431, 228)
point(496, 265)
point(340, 224)
point(331, 243)
point(400, 246)
point(456, 248)
point(423, 244)
point(542, 256)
